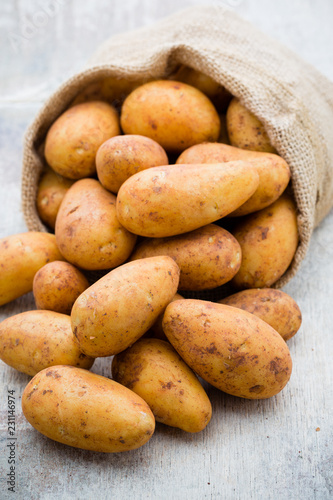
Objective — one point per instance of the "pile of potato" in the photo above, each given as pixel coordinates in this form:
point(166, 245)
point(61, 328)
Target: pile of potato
point(218, 214)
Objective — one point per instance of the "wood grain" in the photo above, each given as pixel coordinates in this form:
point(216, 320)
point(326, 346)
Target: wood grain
point(274, 449)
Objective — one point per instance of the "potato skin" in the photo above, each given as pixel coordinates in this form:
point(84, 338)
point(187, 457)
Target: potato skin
point(174, 114)
point(274, 307)
point(57, 285)
point(52, 188)
point(269, 240)
point(156, 330)
point(119, 308)
point(231, 349)
point(166, 201)
point(34, 340)
point(74, 138)
point(87, 230)
point(207, 257)
point(245, 130)
point(21, 255)
point(124, 155)
point(153, 370)
point(274, 172)
point(84, 410)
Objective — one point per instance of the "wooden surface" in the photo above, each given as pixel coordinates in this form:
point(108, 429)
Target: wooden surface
point(275, 449)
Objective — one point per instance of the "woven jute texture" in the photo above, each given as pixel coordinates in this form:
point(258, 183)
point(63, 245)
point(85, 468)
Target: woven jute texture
point(291, 98)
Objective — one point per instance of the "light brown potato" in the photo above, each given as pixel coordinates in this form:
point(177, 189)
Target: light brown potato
point(87, 230)
point(21, 256)
point(231, 349)
point(52, 188)
point(207, 257)
point(176, 199)
point(269, 240)
point(84, 410)
point(172, 113)
point(216, 92)
point(34, 340)
point(274, 307)
point(124, 155)
point(156, 330)
point(119, 308)
point(74, 138)
point(245, 130)
point(153, 370)
point(273, 171)
point(57, 285)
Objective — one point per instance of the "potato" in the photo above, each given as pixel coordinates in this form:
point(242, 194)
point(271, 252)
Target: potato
point(245, 130)
point(21, 255)
point(156, 330)
point(231, 349)
point(124, 155)
point(74, 138)
point(268, 239)
point(274, 172)
point(172, 113)
point(176, 199)
point(57, 285)
point(153, 370)
point(216, 92)
point(84, 410)
point(87, 230)
point(207, 257)
point(275, 307)
point(52, 188)
point(119, 308)
point(34, 340)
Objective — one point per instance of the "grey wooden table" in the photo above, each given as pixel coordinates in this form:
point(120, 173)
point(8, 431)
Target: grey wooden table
point(274, 449)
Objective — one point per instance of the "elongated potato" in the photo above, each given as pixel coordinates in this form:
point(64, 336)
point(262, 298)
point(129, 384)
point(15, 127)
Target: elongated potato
point(21, 255)
point(119, 308)
point(268, 239)
point(171, 113)
point(34, 340)
point(74, 138)
point(88, 232)
point(84, 410)
point(231, 349)
point(275, 307)
point(57, 285)
point(245, 130)
point(207, 257)
point(153, 370)
point(52, 188)
point(274, 172)
point(124, 155)
point(176, 199)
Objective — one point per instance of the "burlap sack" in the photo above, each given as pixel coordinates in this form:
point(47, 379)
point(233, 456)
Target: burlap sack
point(292, 99)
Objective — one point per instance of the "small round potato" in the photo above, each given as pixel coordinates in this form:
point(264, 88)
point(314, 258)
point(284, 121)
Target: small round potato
point(74, 138)
point(273, 171)
point(207, 257)
point(84, 410)
point(87, 230)
point(21, 256)
point(34, 340)
point(52, 188)
point(155, 371)
point(125, 155)
point(57, 285)
point(269, 240)
point(245, 130)
point(231, 349)
point(274, 307)
point(172, 113)
point(166, 201)
point(119, 308)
